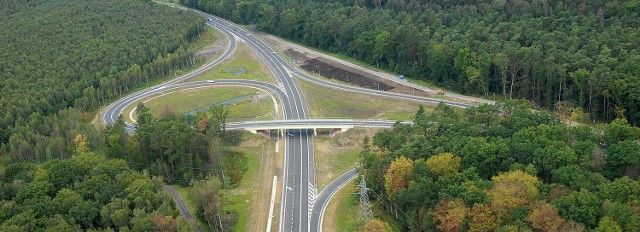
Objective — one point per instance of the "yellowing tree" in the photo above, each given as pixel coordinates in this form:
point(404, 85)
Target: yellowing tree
point(82, 146)
point(513, 189)
point(449, 215)
point(398, 175)
point(608, 224)
point(508, 195)
point(483, 218)
point(444, 165)
point(510, 190)
point(544, 217)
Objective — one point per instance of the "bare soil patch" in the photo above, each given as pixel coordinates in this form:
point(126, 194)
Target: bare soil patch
point(213, 51)
point(337, 71)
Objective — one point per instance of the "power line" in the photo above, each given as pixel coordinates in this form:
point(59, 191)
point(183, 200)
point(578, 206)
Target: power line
point(365, 207)
point(404, 215)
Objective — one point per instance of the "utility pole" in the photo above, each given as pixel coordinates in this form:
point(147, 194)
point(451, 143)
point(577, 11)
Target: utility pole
point(365, 209)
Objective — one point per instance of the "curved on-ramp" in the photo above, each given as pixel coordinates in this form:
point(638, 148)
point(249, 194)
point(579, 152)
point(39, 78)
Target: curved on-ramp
point(294, 106)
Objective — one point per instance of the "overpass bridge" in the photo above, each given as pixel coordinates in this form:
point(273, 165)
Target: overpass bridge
point(313, 124)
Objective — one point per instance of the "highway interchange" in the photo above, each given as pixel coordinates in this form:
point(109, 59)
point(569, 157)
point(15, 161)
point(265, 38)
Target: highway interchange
point(302, 205)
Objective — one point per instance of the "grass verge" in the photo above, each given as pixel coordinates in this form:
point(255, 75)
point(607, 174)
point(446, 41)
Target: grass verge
point(248, 199)
point(276, 42)
point(337, 155)
point(342, 212)
point(330, 103)
point(243, 103)
point(244, 64)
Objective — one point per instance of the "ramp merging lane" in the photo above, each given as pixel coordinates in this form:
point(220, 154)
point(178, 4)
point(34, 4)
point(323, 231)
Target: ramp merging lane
point(298, 178)
point(113, 111)
point(302, 206)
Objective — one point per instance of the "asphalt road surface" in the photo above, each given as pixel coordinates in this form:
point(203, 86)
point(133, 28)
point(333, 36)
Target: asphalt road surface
point(299, 201)
point(182, 205)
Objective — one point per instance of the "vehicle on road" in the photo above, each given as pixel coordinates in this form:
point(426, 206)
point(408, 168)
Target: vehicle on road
point(211, 81)
point(209, 19)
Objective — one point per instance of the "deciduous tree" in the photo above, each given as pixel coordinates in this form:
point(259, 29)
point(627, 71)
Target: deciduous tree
point(444, 165)
point(398, 175)
point(449, 215)
point(544, 217)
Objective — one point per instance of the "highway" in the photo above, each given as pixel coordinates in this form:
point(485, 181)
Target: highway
point(299, 176)
point(310, 124)
point(300, 211)
point(299, 189)
point(300, 203)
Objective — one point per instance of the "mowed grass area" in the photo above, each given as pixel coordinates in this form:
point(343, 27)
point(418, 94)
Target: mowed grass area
point(341, 214)
point(329, 103)
point(242, 58)
point(252, 105)
point(332, 161)
point(337, 155)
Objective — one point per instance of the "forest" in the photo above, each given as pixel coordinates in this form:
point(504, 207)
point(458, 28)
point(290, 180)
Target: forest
point(583, 53)
point(60, 54)
point(179, 148)
point(85, 193)
point(60, 61)
point(504, 167)
point(187, 150)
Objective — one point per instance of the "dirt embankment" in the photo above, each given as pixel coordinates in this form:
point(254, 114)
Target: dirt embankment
point(338, 71)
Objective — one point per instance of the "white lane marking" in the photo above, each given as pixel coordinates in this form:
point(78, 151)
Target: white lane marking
point(324, 206)
point(273, 199)
point(131, 114)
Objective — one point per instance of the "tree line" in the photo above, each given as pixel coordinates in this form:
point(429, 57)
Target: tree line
point(502, 168)
point(583, 52)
